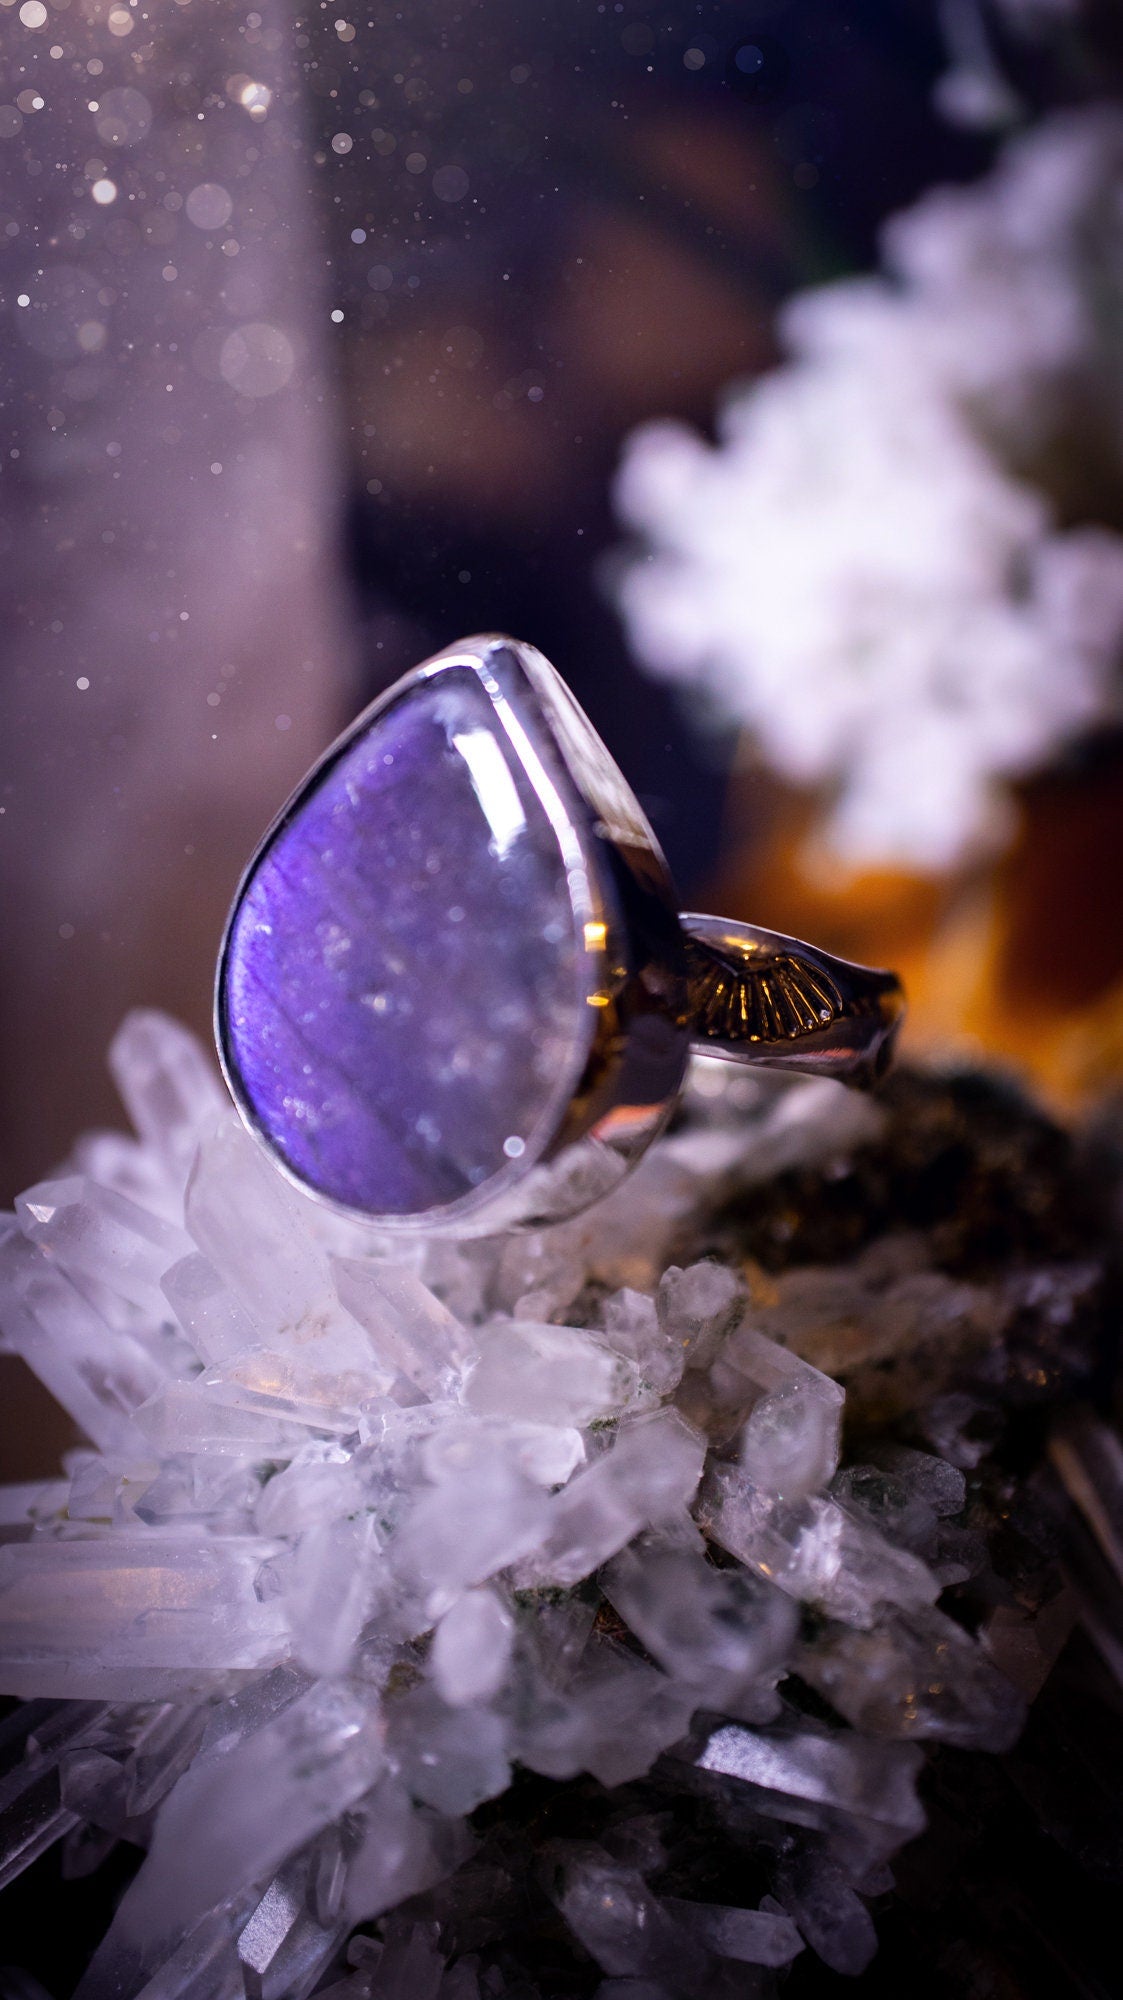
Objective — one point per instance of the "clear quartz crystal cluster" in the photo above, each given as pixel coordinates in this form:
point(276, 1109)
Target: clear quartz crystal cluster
point(366, 1538)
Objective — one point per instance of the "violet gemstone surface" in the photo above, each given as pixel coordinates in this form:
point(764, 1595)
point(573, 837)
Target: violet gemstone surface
point(402, 998)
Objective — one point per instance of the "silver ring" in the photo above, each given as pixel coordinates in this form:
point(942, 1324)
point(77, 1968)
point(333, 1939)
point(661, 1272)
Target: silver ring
point(455, 992)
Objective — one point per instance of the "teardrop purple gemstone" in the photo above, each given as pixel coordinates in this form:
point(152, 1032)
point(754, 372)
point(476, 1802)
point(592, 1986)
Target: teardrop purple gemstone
point(401, 1001)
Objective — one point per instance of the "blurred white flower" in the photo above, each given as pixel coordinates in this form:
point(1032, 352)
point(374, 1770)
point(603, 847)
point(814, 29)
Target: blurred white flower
point(853, 572)
point(1014, 286)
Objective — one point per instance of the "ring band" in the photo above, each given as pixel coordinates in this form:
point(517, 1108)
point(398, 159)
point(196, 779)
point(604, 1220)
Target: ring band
point(455, 993)
point(759, 997)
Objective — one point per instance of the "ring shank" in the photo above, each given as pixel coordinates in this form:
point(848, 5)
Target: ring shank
point(756, 996)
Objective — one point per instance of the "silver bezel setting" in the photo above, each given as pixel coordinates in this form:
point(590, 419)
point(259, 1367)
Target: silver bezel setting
point(626, 1076)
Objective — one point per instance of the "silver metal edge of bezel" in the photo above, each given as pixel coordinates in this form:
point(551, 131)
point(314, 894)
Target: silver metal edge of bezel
point(512, 1195)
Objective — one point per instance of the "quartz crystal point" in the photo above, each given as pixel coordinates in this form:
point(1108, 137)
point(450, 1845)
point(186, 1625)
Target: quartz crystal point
point(243, 1807)
point(171, 1092)
point(715, 1629)
point(128, 1617)
point(544, 1453)
point(217, 1325)
point(833, 1919)
point(650, 1473)
point(465, 1528)
point(321, 1485)
point(96, 1235)
point(790, 1442)
point(185, 1418)
point(332, 1583)
point(794, 1766)
point(257, 1234)
point(548, 1373)
point(283, 1948)
point(449, 1758)
point(472, 1648)
point(402, 1849)
point(202, 1966)
point(619, 1921)
point(100, 1374)
point(753, 1937)
point(409, 1330)
point(613, 1718)
point(32, 1814)
point(915, 1674)
point(698, 1307)
point(410, 1966)
point(813, 1550)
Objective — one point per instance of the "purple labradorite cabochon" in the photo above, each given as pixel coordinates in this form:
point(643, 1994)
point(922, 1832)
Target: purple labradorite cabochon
point(401, 1000)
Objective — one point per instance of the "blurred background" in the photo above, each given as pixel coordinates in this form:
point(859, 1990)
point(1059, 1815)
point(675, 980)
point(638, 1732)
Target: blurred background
point(761, 362)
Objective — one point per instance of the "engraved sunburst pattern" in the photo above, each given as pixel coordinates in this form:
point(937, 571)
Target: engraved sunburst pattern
point(772, 996)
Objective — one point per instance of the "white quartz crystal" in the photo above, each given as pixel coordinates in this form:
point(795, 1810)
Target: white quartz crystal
point(548, 1373)
point(319, 1485)
point(169, 1089)
point(754, 1937)
point(189, 1417)
point(614, 1718)
point(449, 1758)
point(916, 1674)
point(698, 1307)
point(472, 1648)
point(100, 1374)
point(282, 1947)
point(401, 1849)
point(352, 1538)
point(545, 1453)
point(218, 1327)
point(259, 1235)
point(408, 1328)
point(814, 1550)
point(127, 1616)
point(790, 1442)
point(875, 1781)
point(243, 1807)
point(620, 1922)
point(97, 1235)
point(467, 1526)
point(715, 1628)
point(332, 1582)
point(650, 1471)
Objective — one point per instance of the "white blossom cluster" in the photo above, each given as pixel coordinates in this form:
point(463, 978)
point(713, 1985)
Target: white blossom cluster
point(868, 571)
